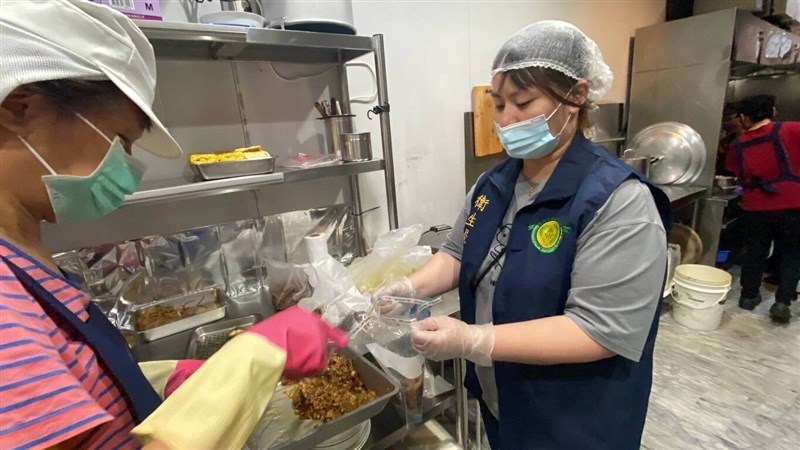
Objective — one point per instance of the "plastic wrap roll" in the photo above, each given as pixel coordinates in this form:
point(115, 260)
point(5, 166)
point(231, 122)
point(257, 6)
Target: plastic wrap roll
point(316, 246)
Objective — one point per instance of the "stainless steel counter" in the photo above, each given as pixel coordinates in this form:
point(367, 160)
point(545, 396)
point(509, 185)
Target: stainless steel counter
point(683, 195)
point(449, 305)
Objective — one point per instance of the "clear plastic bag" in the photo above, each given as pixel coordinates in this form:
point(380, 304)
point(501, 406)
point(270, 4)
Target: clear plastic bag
point(309, 160)
point(389, 331)
point(394, 255)
point(288, 283)
point(335, 295)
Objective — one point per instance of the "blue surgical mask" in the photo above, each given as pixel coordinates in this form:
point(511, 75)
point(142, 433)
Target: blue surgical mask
point(79, 198)
point(530, 139)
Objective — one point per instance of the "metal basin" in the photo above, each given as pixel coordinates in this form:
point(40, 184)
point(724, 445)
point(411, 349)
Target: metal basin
point(230, 169)
point(280, 428)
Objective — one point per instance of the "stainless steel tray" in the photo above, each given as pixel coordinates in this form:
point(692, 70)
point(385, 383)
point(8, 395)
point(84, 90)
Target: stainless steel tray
point(199, 298)
point(280, 428)
point(207, 339)
point(230, 169)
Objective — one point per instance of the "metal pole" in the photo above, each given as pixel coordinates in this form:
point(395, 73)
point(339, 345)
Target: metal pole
point(358, 215)
point(386, 129)
point(355, 191)
point(462, 424)
point(478, 437)
point(344, 89)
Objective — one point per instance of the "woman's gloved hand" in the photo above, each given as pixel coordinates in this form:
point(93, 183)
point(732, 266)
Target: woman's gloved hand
point(305, 338)
point(397, 288)
point(441, 337)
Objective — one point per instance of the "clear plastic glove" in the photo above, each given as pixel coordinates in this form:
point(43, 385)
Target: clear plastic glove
point(397, 288)
point(441, 337)
point(305, 338)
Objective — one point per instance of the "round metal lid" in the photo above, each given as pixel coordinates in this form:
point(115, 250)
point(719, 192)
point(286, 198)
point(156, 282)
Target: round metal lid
point(682, 152)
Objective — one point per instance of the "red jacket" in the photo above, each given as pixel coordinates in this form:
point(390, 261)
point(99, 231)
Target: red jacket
point(770, 185)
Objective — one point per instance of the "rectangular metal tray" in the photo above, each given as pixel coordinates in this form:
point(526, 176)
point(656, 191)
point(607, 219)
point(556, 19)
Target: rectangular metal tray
point(280, 429)
point(198, 298)
point(207, 339)
point(230, 169)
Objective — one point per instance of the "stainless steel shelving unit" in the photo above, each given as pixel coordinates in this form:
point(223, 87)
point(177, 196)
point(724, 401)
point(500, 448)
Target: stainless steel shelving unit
point(190, 187)
point(191, 41)
point(198, 42)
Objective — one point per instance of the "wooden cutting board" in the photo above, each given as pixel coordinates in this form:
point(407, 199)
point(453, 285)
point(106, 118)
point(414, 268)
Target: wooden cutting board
point(485, 135)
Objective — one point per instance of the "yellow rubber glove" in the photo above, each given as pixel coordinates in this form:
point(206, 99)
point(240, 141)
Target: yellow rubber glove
point(220, 404)
point(158, 373)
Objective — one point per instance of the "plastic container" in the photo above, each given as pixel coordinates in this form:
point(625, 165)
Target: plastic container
point(393, 350)
point(699, 293)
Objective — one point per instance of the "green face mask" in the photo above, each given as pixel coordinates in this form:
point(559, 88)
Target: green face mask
point(79, 198)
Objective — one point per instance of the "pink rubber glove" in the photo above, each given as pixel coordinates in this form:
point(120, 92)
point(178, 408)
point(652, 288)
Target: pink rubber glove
point(183, 370)
point(305, 338)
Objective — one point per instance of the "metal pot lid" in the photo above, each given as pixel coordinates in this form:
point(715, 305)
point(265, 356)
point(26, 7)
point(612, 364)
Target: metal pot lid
point(680, 147)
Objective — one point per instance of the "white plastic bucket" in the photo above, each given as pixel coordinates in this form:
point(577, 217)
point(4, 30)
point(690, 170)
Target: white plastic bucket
point(699, 293)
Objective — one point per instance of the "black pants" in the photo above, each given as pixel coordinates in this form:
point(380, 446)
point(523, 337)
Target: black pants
point(492, 426)
point(761, 228)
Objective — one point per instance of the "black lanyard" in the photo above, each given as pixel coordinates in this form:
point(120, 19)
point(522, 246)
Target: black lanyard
point(477, 280)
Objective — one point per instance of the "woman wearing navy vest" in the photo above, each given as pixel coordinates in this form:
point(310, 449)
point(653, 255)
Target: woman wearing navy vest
point(559, 256)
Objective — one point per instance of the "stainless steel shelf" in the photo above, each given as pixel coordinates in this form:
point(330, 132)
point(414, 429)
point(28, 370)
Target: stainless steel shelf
point(338, 170)
point(192, 41)
point(190, 187)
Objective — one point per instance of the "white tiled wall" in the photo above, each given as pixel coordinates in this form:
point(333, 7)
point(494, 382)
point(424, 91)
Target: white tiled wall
point(436, 50)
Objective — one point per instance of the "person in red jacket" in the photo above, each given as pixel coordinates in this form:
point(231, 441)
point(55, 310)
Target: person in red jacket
point(766, 158)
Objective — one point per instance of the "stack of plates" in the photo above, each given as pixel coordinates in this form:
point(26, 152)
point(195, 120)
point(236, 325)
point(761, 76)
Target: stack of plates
point(352, 439)
point(682, 152)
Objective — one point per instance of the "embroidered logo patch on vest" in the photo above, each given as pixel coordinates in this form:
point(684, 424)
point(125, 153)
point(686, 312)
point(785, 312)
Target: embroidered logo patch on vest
point(546, 236)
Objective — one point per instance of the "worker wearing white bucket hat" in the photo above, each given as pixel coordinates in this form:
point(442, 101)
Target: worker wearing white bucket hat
point(76, 91)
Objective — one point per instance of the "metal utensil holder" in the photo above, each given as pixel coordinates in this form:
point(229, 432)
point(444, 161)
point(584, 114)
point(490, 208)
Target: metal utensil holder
point(335, 126)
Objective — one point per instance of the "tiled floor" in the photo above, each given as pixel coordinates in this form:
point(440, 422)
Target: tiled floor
point(737, 387)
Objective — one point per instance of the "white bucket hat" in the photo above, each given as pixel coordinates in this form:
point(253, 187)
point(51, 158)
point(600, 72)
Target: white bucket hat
point(43, 40)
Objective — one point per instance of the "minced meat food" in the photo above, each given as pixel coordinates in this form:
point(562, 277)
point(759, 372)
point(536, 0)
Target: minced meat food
point(156, 316)
point(332, 394)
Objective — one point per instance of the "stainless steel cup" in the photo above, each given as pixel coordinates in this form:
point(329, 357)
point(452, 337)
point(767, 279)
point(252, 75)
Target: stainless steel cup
point(335, 126)
point(356, 147)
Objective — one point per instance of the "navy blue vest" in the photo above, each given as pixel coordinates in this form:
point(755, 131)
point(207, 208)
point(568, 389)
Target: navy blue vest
point(780, 155)
point(599, 405)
